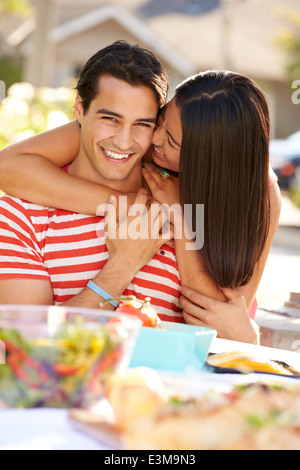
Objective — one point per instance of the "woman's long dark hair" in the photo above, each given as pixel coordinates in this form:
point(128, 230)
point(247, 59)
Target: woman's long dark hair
point(225, 166)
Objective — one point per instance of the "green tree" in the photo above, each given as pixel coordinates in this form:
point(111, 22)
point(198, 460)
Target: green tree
point(289, 40)
point(15, 7)
point(10, 66)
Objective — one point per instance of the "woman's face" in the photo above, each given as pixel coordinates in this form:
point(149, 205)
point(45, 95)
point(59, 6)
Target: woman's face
point(167, 138)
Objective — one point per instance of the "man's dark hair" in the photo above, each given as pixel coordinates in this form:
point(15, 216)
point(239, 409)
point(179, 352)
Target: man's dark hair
point(130, 63)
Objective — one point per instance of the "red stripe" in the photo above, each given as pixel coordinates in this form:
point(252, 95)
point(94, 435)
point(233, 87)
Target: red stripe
point(161, 272)
point(77, 268)
point(75, 252)
point(164, 317)
point(15, 231)
point(68, 225)
point(76, 284)
point(20, 265)
point(37, 277)
point(165, 260)
point(7, 254)
point(71, 238)
point(154, 285)
point(155, 301)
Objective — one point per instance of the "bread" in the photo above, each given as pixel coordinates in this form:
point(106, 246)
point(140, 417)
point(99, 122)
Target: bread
point(258, 417)
point(135, 394)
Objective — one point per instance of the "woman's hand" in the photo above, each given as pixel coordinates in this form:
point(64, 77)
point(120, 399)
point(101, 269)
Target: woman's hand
point(163, 189)
point(138, 236)
point(230, 319)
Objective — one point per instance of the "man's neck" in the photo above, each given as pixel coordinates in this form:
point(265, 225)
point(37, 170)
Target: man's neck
point(82, 167)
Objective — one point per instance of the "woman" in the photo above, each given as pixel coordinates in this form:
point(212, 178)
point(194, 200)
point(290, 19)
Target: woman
point(225, 167)
point(216, 132)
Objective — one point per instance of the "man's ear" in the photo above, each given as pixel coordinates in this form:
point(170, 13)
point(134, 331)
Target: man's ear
point(78, 109)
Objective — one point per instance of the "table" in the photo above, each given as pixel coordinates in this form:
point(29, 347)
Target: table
point(42, 429)
point(51, 429)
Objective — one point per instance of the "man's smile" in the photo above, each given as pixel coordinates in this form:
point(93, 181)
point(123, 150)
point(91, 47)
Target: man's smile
point(120, 157)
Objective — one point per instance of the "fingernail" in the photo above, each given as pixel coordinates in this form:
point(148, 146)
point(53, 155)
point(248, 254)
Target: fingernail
point(111, 199)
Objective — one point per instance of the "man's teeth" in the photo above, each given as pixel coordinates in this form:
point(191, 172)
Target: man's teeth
point(117, 156)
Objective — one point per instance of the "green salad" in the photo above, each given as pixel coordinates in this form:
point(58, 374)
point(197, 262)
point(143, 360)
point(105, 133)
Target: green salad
point(67, 370)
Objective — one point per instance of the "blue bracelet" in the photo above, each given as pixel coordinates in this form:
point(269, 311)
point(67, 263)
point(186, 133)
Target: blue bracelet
point(102, 293)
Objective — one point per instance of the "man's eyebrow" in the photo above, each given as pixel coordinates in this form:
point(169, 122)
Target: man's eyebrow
point(119, 116)
point(109, 113)
point(150, 120)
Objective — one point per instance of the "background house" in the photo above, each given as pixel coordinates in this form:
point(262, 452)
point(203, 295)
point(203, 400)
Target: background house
point(187, 36)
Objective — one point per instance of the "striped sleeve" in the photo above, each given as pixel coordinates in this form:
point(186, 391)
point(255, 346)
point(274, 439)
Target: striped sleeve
point(20, 254)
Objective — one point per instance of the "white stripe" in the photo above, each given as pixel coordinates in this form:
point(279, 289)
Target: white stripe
point(167, 267)
point(24, 271)
point(15, 259)
point(57, 247)
point(16, 248)
point(58, 219)
point(154, 293)
point(76, 261)
point(17, 227)
point(159, 279)
point(71, 231)
point(64, 292)
point(61, 278)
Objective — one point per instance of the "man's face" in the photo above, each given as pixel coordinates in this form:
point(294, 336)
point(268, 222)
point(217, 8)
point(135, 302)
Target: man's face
point(117, 129)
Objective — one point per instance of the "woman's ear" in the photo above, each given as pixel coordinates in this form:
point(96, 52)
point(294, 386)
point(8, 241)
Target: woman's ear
point(78, 109)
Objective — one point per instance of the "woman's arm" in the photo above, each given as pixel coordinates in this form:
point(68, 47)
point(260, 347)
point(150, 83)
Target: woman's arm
point(31, 170)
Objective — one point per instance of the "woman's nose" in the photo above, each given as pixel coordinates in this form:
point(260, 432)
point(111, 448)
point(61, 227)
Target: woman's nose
point(158, 136)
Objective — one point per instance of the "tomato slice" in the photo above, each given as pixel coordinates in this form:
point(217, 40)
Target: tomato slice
point(141, 309)
point(65, 370)
point(148, 318)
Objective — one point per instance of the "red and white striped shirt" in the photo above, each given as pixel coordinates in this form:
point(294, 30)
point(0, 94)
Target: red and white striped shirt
point(68, 250)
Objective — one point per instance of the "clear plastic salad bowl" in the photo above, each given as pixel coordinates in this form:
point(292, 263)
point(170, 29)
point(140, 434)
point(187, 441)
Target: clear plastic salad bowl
point(61, 357)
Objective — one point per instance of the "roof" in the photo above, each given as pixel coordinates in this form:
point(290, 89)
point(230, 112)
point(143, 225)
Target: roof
point(132, 24)
point(194, 35)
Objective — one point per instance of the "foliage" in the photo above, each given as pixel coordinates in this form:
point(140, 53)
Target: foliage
point(289, 40)
point(15, 7)
point(10, 71)
point(27, 111)
point(294, 194)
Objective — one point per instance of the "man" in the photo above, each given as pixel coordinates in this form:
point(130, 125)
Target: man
point(51, 256)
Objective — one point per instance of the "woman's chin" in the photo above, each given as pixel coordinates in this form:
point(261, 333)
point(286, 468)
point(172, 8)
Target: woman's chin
point(164, 163)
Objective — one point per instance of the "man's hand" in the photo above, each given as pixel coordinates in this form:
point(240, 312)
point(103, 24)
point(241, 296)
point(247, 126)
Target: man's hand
point(138, 236)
